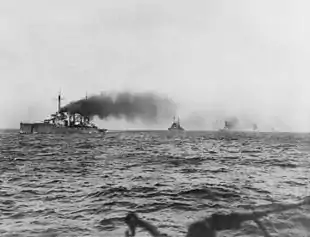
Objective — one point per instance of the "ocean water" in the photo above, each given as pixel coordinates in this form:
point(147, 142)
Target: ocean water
point(83, 185)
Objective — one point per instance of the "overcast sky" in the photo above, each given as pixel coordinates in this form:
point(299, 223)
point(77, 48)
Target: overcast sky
point(244, 58)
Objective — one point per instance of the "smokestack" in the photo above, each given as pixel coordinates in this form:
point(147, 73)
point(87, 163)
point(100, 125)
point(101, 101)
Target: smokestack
point(59, 99)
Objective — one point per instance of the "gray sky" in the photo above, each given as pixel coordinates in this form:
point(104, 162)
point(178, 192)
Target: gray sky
point(246, 58)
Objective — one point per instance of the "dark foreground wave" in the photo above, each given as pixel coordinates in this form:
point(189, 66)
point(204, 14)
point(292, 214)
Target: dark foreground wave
point(84, 185)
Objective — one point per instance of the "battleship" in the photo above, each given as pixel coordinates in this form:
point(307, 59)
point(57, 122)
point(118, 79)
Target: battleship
point(61, 123)
point(226, 127)
point(176, 126)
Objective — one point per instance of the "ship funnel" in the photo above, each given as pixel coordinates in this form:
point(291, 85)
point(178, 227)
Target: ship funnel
point(60, 98)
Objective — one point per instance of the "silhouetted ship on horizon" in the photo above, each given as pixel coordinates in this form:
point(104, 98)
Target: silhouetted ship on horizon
point(61, 123)
point(255, 128)
point(227, 126)
point(176, 126)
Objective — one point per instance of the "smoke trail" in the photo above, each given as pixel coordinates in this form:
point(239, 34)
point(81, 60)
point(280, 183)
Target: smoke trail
point(147, 107)
point(232, 122)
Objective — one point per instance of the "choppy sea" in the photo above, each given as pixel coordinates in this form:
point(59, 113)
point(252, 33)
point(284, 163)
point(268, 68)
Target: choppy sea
point(83, 185)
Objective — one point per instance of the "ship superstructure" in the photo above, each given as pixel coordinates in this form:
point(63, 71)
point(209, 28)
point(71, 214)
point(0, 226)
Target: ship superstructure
point(62, 122)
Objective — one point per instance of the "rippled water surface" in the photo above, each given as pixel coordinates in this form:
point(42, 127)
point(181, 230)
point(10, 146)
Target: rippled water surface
point(83, 185)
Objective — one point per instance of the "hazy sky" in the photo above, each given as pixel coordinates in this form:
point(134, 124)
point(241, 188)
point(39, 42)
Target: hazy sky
point(246, 58)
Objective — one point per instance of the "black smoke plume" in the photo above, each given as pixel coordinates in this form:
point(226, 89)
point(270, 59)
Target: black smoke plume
point(146, 107)
point(232, 122)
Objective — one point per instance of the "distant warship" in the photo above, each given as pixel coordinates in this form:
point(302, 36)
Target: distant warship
point(176, 126)
point(61, 122)
point(227, 126)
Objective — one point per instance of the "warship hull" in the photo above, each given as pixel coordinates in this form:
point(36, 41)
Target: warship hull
point(44, 128)
point(176, 129)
